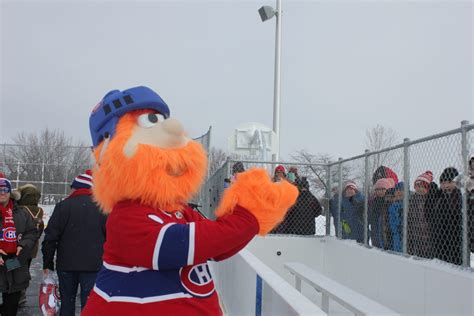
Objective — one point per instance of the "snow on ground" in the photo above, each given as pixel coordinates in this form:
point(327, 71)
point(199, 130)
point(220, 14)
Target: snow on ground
point(48, 210)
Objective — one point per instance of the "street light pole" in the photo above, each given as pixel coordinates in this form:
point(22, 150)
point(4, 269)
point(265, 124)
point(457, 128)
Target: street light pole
point(266, 13)
point(277, 83)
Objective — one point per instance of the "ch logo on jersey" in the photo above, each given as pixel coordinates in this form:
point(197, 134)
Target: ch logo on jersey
point(197, 280)
point(9, 234)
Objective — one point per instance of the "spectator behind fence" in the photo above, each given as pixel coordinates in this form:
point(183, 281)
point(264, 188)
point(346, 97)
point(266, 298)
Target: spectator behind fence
point(352, 207)
point(395, 214)
point(418, 235)
point(237, 168)
point(29, 200)
point(470, 201)
point(293, 175)
point(446, 220)
point(280, 173)
point(15, 251)
point(300, 219)
point(76, 230)
point(378, 208)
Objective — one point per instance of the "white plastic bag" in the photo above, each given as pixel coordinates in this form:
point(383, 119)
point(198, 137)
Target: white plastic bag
point(49, 300)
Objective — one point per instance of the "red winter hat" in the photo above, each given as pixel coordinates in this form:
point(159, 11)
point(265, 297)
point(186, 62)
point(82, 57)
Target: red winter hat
point(425, 178)
point(280, 168)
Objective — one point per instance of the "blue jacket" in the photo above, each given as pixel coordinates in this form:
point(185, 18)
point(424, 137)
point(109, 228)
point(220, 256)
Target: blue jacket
point(352, 217)
point(395, 215)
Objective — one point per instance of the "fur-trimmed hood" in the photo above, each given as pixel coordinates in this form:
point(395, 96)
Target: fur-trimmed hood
point(27, 194)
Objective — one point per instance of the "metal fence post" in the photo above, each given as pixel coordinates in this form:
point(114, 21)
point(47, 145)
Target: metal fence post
point(42, 181)
point(328, 197)
point(406, 190)
point(339, 201)
point(465, 166)
point(366, 198)
point(17, 174)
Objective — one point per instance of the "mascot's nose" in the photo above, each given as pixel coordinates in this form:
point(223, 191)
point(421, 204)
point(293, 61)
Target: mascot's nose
point(173, 127)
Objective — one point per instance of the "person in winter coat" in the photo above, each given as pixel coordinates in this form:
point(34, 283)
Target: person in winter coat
point(76, 231)
point(19, 236)
point(470, 203)
point(352, 206)
point(418, 234)
point(29, 200)
point(300, 219)
point(395, 214)
point(378, 208)
point(446, 229)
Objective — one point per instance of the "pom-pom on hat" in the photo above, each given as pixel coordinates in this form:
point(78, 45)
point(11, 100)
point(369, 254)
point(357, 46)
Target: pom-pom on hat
point(83, 181)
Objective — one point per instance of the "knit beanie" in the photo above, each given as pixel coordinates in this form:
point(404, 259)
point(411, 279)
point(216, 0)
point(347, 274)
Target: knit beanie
point(280, 168)
point(424, 179)
point(83, 181)
point(5, 183)
point(448, 174)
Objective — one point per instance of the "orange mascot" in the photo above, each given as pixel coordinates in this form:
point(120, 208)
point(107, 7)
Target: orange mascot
point(157, 248)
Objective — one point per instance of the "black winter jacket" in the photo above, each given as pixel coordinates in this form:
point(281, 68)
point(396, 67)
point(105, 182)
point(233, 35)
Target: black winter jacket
point(18, 279)
point(76, 230)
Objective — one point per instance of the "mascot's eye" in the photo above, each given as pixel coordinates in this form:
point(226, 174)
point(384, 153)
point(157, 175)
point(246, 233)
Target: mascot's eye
point(150, 119)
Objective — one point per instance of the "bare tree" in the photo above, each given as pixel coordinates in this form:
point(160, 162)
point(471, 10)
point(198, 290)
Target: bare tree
point(48, 159)
point(378, 138)
point(217, 157)
point(316, 172)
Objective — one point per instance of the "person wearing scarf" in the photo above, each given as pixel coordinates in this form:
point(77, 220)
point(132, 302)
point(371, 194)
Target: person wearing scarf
point(16, 242)
point(76, 227)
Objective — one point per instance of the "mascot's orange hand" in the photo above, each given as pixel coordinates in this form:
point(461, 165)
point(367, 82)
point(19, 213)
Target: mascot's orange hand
point(266, 200)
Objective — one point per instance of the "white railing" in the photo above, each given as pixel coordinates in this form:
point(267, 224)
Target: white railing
point(330, 289)
point(248, 287)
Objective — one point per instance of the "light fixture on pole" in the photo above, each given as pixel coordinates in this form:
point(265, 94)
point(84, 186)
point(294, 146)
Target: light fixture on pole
point(266, 13)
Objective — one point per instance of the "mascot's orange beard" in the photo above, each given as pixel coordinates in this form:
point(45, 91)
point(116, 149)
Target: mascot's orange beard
point(164, 178)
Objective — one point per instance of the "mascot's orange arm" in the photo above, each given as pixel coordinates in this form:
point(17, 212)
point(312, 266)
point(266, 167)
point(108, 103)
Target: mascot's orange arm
point(255, 192)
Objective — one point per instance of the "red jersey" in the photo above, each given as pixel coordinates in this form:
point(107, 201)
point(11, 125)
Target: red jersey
point(155, 263)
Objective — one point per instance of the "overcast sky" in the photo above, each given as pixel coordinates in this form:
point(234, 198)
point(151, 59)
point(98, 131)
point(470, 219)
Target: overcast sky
point(346, 66)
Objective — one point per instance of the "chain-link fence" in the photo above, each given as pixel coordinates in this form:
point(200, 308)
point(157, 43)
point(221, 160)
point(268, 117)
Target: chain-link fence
point(306, 217)
point(416, 198)
point(52, 168)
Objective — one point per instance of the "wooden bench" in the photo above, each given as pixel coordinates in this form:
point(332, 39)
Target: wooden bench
point(350, 299)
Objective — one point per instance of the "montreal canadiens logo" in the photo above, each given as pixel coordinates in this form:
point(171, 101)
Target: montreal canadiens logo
point(9, 234)
point(197, 280)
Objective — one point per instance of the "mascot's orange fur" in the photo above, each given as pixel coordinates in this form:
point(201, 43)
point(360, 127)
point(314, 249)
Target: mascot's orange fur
point(144, 176)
